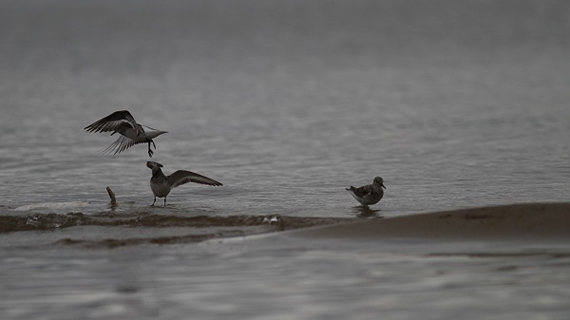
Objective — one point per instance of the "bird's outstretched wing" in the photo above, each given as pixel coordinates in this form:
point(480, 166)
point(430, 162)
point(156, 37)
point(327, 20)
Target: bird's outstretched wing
point(120, 145)
point(182, 176)
point(113, 122)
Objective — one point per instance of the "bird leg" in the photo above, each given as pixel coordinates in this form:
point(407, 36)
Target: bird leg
point(150, 152)
point(153, 201)
point(165, 202)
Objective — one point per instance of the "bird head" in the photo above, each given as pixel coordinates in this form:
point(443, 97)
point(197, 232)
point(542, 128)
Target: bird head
point(153, 164)
point(379, 182)
point(154, 134)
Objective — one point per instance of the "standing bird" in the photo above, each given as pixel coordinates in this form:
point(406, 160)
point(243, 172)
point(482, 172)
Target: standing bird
point(161, 184)
point(131, 132)
point(369, 194)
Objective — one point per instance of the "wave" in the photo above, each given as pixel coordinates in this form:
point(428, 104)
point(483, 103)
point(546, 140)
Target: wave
point(51, 221)
point(53, 205)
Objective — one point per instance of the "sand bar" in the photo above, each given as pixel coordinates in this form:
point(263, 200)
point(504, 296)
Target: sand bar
point(536, 221)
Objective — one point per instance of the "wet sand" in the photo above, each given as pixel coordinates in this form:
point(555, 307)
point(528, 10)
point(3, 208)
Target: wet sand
point(548, 221)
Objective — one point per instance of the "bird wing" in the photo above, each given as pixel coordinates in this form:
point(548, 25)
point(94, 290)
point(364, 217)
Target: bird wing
point(182, 176)
point(362, 191)
point(120, 145)
point(114, 122)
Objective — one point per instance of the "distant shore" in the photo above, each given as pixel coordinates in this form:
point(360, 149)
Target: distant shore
point(533, 221)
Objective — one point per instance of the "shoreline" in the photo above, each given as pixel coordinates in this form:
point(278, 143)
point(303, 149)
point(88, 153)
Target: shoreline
point(531, 221)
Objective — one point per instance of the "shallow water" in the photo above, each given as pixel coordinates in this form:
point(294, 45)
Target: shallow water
point(287, 277)
point(287, 103)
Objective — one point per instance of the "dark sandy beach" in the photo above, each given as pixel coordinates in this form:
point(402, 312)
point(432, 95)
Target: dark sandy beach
point(534, 221)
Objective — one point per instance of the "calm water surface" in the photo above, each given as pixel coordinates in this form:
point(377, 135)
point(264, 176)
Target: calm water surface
point(455, 105)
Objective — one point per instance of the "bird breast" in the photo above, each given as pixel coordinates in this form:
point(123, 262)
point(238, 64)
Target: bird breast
point(159, 186)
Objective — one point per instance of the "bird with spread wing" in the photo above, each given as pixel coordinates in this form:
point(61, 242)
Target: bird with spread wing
point(131, 132)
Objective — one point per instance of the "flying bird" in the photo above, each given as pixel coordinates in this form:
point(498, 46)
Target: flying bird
point(369, 194)
point(161, 184)
point(131, 132)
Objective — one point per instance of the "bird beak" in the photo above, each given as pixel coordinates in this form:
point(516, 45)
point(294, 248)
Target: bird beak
point(383, 186)
point(153, 164)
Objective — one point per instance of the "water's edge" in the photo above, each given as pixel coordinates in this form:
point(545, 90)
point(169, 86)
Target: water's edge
point(517, 221)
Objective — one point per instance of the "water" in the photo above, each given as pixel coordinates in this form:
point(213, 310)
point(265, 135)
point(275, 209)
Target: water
point(455, 105)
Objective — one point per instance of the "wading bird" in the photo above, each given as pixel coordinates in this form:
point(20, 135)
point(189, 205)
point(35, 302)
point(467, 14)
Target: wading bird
point(368, 194)
point(161, 184)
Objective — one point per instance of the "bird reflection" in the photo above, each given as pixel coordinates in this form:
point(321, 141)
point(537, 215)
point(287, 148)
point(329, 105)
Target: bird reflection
point(366, 212)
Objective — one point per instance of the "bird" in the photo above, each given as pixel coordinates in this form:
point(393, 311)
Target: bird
point(131, 132)
point(161, 184)
point(369, 194)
